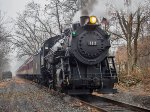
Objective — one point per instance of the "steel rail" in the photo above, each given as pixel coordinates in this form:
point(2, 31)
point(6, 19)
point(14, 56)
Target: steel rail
point(108, 105)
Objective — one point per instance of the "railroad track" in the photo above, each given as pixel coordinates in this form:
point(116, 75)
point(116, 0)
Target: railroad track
point(100, 103)
point(107, 105)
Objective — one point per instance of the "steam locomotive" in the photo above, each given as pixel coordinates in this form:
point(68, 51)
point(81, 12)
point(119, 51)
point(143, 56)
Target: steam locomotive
point(76, 62)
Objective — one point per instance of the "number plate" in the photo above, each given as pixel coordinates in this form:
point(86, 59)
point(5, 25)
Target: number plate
point(92, 43)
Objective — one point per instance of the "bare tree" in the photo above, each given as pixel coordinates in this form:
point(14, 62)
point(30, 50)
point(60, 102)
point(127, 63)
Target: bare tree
point(62, 12)
point(4, 42)
point(31, 30)
point(36, 24)
point(130, 25)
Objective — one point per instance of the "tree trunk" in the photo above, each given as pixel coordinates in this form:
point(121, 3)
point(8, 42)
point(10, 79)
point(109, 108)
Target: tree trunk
point(58, 18)
point(135, 54)
point(136, 35)
point(129, 57)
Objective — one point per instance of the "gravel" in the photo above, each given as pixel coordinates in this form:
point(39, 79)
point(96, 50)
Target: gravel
point(17, 95)
point(130, 98)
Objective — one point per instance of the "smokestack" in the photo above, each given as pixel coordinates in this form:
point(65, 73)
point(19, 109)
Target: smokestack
point(83, 20)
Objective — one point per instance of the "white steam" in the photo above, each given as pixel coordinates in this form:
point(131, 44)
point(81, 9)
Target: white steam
point(76, 17)
point(100, 8)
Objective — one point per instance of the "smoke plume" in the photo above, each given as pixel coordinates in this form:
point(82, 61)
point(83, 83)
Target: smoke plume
point(100, 8)
point(88, 7)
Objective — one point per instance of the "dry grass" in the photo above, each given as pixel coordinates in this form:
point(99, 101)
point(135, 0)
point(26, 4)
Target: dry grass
point(4, 84)
point(137, 82)
point(19, 81)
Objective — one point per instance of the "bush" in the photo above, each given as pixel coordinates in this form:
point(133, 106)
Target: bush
point(134, 78)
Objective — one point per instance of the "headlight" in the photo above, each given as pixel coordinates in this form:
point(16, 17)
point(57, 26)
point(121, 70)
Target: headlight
point(93, 19)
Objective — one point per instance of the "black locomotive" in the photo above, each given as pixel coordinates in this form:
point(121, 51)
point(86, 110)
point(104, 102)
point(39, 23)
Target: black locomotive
point(77, 62)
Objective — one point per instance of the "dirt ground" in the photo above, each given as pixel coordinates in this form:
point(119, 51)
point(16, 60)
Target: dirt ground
point(138, 95)
point(18, 95)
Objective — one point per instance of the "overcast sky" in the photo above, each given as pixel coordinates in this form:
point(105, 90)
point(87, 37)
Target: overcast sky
point(11, 7)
